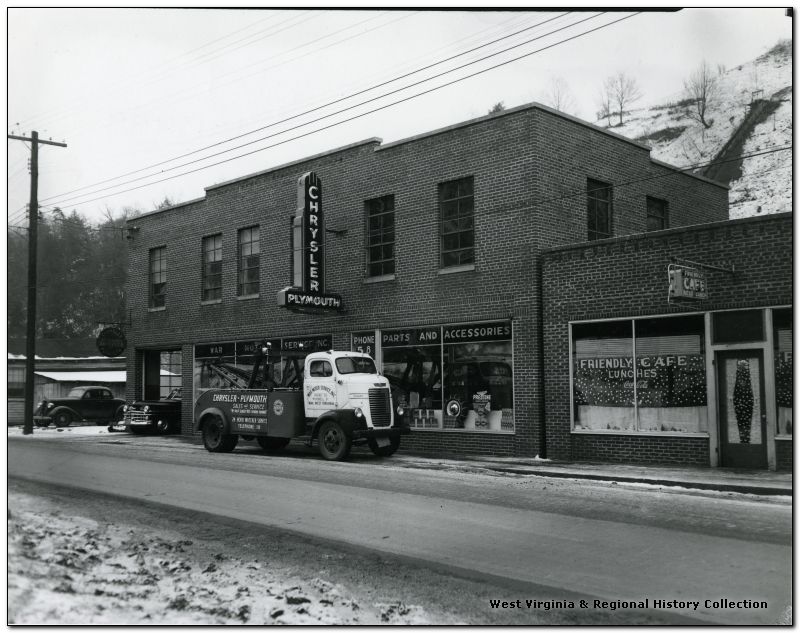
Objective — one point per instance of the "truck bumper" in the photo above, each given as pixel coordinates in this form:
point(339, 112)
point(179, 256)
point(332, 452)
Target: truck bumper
point(388, 431)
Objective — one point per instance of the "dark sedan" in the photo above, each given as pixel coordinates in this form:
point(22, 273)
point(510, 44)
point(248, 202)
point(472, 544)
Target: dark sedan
point(91, 404)
point(155, 416)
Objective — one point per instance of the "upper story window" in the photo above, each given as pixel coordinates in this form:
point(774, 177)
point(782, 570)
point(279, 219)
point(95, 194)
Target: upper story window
point(380, 236)
point(158, 277)
point(457, 222)
point(598, 200)
point(656, 214)
point(212, 268)
point(249, 264)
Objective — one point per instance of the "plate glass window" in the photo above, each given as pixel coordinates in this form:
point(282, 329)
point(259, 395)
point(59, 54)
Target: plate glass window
point(784, 365)
point(380, 236)
point(249, 262)
point(656, 214)
point(212, 267)
point(158, 277)
point(457, 222)
point(598, 198)
point(171, 372)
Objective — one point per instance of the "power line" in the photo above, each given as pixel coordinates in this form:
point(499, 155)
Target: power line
point(69, 200)
point(310, 111)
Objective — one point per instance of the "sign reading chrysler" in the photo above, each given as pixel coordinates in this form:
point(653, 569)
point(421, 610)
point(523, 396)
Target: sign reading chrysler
point(308, 252)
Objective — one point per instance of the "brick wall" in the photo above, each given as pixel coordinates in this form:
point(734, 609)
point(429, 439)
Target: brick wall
point(627, 277)
point(511, 159)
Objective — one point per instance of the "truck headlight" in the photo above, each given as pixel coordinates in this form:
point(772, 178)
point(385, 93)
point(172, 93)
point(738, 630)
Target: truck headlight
point(358, 412)
point(146, 408)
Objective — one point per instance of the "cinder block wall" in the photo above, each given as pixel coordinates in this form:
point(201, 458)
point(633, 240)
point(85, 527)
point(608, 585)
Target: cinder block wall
point(510, 156)
point(627, 277)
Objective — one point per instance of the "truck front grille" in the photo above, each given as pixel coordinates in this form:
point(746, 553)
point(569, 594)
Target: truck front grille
point(137, 417)
point(379, 407)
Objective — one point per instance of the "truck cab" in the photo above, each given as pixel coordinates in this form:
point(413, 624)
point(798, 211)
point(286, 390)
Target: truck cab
point(340, 401)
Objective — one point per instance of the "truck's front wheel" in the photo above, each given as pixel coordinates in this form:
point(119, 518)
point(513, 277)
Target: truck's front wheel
point(334, 443)
point(214, 437)
point(384, 451)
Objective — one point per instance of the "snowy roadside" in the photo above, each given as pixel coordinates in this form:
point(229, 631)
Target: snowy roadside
point(66, 569)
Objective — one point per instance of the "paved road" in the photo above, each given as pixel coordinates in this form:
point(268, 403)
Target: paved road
point(588, 541)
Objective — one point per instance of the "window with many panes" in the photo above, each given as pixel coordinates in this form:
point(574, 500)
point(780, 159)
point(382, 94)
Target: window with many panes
point(171, 372)
point(598, 198)
point(212, 268)
point(158, 277)
point(380, 236)
point(656, 214)
point(457, 222)
point(249, 262)
point(16, 382)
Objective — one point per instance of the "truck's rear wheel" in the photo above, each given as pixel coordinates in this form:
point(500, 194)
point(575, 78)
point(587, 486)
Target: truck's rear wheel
point(272, 444)
point(334, 443)
point(214, 437)
point(384, 451)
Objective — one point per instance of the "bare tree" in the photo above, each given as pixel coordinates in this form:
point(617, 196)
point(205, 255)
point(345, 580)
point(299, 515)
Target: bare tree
point(604, 106)
point(702, 87)
point(621, 91)
point(559, 96)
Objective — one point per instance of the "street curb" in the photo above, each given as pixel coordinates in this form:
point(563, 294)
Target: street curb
point(721, 487)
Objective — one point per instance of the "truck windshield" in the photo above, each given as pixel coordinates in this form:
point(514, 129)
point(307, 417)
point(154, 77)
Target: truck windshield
point(355, 365)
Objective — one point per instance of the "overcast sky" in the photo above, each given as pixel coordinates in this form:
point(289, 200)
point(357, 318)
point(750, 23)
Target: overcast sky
point(130, 89)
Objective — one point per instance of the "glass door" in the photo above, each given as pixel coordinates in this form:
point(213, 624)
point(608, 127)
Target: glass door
point(742, 413)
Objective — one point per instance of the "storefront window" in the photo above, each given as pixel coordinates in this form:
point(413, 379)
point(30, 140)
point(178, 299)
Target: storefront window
point(603, 383)
point(451, 377)
point(782, 337)
point(665, 393)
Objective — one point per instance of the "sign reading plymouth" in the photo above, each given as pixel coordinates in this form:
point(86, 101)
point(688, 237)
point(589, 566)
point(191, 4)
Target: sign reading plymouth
point(308, 252)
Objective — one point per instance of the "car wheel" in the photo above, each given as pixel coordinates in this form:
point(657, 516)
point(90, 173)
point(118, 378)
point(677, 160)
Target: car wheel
point(334, 443)
point(162, 427)
point(384, 451)
point(62, 419)
point(119, 416)
point(214, 437)
point(271, 444)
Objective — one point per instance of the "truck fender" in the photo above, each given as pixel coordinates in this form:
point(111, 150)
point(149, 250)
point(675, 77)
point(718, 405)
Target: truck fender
point(200, 419)
point(345, 417)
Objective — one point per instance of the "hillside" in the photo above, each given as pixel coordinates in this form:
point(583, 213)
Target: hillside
point(760, 184)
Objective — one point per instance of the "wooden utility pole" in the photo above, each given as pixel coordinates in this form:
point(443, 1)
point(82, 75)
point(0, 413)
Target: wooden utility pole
point(33, 215)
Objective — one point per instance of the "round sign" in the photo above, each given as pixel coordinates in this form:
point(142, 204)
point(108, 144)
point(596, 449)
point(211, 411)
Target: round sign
point(277, 407)
point(111, 342)
point(453, 408)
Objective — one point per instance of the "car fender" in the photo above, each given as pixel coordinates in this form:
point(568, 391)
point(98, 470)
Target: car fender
point(345, 417)
point(61, 408)
point(200, 419)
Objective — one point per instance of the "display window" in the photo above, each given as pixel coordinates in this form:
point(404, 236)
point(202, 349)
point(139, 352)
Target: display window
point(449, 377)
point(784, 366)
point(644, 375)
point(230, 364)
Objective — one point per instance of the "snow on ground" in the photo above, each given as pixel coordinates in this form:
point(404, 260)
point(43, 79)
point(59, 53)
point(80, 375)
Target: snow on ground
point(676, 138)
point(66, 570)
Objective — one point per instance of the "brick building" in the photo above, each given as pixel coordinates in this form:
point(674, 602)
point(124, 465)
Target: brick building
point(713, 379)
point(432, 243)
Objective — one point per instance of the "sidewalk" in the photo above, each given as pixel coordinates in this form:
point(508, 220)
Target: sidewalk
point(759, 482)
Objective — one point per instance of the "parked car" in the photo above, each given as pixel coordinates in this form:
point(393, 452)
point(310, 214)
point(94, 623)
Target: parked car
point(156, 416)
point(90, 404)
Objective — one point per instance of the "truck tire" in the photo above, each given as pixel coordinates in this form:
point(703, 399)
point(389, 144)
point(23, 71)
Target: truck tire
point(62, 419)
point(214, 437)
point(334, 443)
point(272, 444)
point(384, 451)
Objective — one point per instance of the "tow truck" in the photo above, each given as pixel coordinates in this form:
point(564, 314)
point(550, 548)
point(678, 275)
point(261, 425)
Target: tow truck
point(340, 401)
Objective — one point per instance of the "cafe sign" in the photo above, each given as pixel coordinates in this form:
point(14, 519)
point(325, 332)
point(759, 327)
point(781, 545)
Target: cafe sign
point(687, 283)
point(307, 292)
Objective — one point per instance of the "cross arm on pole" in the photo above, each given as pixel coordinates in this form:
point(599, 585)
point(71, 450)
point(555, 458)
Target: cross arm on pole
point(38, 140)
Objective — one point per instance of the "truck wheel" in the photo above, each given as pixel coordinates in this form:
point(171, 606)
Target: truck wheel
point(214, 437)
point(272, 444)
point(62, 419)
point(334, 443)
point(384, 451)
